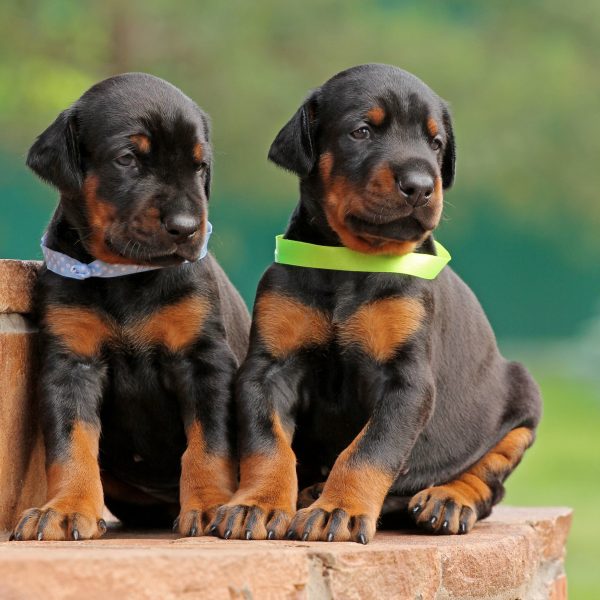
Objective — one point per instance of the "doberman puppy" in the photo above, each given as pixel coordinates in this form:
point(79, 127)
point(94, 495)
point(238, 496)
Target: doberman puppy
point(136, 380)
point(389, 386)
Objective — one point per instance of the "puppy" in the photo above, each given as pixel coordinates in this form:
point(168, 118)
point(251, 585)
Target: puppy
point(388, 385)
point(141, 334)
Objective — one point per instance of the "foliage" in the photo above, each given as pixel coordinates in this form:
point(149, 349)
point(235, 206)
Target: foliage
point(521, 77)
point(563, 469)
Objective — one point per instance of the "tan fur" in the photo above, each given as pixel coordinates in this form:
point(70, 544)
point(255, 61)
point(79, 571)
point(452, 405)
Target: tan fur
point(379, 328)
point(81, 330)
point(85, 331)
point(207, 479)
point(432, 127)
point(342, 199)
point(376, 115)
point(198, 152)
point(142, 142)
point(175, 326)
point(285, 325)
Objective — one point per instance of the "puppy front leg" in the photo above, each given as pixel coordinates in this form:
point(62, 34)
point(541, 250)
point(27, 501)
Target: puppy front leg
point(353, 495)
point(71, 391)
point(266, 499)
point(204, 381)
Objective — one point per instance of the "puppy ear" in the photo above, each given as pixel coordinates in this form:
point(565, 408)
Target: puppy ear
point(55, 156)
point(294, 146)
point(207, 135)
point(449, 158)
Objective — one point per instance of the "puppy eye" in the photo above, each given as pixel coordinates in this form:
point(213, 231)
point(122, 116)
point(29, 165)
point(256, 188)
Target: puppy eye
point(200, 168)
point(125, 160)
point(436, 143)
point(362, 133)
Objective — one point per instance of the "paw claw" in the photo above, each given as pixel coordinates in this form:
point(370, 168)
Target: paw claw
point(227, 534)
point(330, 537)
point(362, 539)
point(271, 535)
point(248, 534)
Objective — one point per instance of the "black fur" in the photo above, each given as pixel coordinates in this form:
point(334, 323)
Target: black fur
point(447, 396)
point(142, 397)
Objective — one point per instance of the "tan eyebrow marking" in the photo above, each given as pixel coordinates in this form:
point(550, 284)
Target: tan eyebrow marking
point(376, 115)
point(432, 127)
point(142, 142)
point(198, 152)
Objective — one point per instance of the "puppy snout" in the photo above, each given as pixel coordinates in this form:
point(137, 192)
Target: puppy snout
point(416, 187)
point(181, 226)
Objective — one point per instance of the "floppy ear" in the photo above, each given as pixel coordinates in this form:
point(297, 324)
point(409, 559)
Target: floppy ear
point(207, 135)
point(449, 158)
point(55, 157)
point(294, 147)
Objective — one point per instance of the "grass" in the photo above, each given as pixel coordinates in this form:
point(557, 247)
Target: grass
point(563, 469)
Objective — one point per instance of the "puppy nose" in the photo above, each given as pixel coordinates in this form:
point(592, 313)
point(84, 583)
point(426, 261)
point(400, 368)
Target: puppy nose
point(181, 226)
point(417, 188)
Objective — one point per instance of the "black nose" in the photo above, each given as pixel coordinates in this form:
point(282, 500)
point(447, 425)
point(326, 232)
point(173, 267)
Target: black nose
point(417, 188)
point(181, 226)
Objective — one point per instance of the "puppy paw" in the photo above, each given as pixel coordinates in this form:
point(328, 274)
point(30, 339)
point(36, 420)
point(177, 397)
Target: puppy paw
point(331, 524)
point(53, 522)
point(443, 510)
point(193, 521)
point(250, 521)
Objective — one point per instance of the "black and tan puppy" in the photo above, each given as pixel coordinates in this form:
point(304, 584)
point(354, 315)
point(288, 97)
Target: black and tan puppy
point(137, 369)
point(386, 385)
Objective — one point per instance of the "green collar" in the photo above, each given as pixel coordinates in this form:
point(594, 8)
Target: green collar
point(301, 254)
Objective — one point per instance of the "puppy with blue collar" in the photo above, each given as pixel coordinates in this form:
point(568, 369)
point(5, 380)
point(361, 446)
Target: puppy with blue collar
point(141, 332)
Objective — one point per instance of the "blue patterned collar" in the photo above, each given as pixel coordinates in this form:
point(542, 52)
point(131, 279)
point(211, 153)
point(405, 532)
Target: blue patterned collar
point(64, 265)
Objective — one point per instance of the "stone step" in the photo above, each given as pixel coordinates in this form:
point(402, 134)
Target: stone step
point(516, 553)
point(22, 477)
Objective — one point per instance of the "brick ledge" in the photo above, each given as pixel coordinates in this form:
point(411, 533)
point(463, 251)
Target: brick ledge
point(516, 553)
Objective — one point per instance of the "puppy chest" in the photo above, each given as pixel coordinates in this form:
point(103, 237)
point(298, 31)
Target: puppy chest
point(376, 329)
point(86, 331)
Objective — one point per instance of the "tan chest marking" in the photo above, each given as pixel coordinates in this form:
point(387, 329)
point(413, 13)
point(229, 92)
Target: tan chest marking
point(175, 326)
point(81, 330)
point(84, 331)
point(379, 328)
point(286, 325)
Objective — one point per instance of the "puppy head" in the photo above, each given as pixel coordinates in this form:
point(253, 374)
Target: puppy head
point(378, 144)
point(132, 161)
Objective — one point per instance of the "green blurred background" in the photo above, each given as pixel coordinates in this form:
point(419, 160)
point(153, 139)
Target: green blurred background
point(523, 80)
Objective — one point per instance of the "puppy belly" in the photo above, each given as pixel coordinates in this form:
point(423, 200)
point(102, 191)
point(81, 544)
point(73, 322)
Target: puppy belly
point(143, 437)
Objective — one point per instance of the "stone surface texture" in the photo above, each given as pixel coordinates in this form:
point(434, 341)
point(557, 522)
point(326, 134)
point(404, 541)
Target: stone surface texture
point(22, 477)
point(515, 554)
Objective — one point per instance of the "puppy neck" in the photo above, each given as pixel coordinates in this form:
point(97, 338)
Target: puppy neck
point(63, 235)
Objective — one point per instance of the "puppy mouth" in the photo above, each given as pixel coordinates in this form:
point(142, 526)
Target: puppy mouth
point(404, 229)
point(140, 253)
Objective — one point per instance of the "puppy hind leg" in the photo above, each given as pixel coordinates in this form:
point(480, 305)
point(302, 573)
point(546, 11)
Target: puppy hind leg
point(455, 506)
